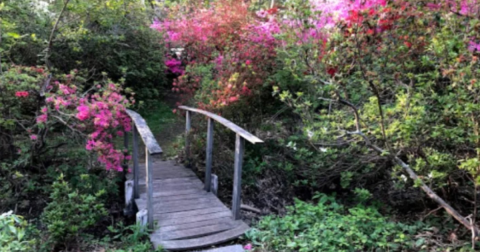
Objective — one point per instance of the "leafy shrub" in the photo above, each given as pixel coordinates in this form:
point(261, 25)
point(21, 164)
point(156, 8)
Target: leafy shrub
point(330, 226)
point(71, 212)
point(228, 53)
point(133, 238)
point(112, 37)
point(13, 234)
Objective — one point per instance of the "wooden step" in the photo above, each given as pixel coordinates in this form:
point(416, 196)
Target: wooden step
point(203, 241)
point(211, 228)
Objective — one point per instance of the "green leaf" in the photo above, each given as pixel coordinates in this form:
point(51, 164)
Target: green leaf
point(13, 35)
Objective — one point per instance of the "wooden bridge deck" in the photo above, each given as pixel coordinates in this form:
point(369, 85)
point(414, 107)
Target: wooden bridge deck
point(187, 216)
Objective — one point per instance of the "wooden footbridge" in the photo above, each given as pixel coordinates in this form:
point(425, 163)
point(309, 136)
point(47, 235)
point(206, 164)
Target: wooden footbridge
point(184, 212)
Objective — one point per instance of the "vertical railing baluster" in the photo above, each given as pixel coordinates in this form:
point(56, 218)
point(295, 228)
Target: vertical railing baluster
point(125, 151)
point(208, 162)
point(149, 178)
point(187, 131)
point(136, 174)
point(237, 176)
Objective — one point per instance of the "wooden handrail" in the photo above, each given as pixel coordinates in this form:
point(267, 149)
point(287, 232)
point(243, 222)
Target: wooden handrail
point(241, 135)
point(148, 139)
point(151, 148)
point(232, 126)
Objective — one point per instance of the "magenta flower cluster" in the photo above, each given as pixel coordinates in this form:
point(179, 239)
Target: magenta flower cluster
point(100, 115)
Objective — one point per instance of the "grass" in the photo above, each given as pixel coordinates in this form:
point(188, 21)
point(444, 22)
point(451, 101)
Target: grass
point(158, 116)
point(165, 126)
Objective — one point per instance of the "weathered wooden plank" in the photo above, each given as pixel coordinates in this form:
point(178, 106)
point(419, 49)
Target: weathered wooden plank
point(172, 194)
point(178, 180)
point(142, 202)
point(232, 126)
point(177, 221)
point(166, 166)
point(237, 176)
point(227, 220)
point(188, 206)
point(182, 197)
point(169, 188)
point(182, 205)
point(145, 132)
point(201, 241)
point(208, 161)
point(180, 173)
point(179, 192)
point(195, 232)
point(163, 186)
point(136, 172)
point(191, 213)
point(176, 170)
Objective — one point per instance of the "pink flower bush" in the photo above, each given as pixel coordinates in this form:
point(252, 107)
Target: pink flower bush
point(175, 66)
point(227, 37)
point(100, 115)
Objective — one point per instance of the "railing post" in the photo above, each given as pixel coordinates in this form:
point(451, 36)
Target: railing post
point(208, 162)
point(237, 176)
point(187, 130)
point(136, 171)
point(125, 152)
point(149, 178)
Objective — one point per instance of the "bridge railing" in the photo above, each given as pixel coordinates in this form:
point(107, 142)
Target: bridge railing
point(241, 136)
point(152, 148)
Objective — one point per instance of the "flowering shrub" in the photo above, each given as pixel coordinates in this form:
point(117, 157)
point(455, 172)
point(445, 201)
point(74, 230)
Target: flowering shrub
point(101, 115)
point(40, 102)
point(230, 51)
point(397, 77)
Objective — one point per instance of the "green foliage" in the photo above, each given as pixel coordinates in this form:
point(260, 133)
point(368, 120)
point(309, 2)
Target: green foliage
point(330, 226)
point(132, 238)
point(71, 212)
point(112, 36)
point(22, 27)
point(13, 234)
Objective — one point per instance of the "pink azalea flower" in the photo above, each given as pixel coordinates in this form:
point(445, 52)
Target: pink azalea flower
point(33, 137)
point(261, 13)
point(42, 118)
point(83, 112)
point(248, 247)
point(21, 94)
point(472, 46)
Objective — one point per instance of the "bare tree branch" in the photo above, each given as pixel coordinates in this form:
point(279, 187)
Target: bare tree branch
point(52, 35)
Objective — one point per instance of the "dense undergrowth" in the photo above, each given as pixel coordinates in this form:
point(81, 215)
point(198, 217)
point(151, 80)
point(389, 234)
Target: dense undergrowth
point(68, 71)
point(372, 101)
point(379, 95)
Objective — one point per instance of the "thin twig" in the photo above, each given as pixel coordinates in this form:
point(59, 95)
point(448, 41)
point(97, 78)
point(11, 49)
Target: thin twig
point(52, 34)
